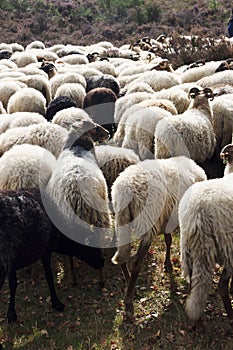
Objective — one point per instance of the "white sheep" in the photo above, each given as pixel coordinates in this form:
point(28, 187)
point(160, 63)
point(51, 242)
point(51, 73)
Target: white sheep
point(17, 119)
point(39, 83)
point(158, 80)
point(7, 89)
point(9, 64)
point(140, 128)
point(206, 226)
point(75, 91)
point(133, 110)
point(197, 73)
point(125, 102)
point(16, 47)
point(132, 68)
point(137, 87)
point(26, 166)
point(75, 59)
point(64, 78)
point(83, 70)
point(77, 184)
point(35, 44)
point(222, 107)
point(47, 135)
point(224, 77)
point(2, 109)
point(104, 67)
point(127, 79)
point(112, 160)
point(68, 116)
point(27, 100)
point(177, 95)
point(222, 121)
point(145, 199)
point(191, 133)
point(227, 156)
point(22, 59)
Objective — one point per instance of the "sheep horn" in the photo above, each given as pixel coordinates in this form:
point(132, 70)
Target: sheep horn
point(226, 152)
point(193, 92)
point(208, 93)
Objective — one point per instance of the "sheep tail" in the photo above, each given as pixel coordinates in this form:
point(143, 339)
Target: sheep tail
point(196, 301)
point(198, 259)
point(123, 234)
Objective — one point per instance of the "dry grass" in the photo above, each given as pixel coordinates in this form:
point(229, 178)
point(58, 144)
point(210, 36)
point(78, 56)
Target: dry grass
point(94, 319)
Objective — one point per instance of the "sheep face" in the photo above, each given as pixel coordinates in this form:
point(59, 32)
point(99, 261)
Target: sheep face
point(227, 154)
point(49, 68)
point(84, 133)
point(90, 130)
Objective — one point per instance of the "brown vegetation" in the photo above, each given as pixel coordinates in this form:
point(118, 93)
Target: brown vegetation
point(82, 22)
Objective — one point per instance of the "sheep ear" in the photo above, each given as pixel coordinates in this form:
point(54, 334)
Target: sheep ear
point(76, 125)
point(67, 124)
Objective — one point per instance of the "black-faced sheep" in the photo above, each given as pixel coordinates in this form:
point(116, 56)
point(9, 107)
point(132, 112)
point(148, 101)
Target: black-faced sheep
point(49, 68)
point(27, 235)
point(77, 184)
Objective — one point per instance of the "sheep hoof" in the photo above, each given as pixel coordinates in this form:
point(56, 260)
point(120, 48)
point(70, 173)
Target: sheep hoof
point(197, 326)
point(11, 316)
point(58, 306)
point(129, 309)
point(129, 317)
point(101, 284)
point(168, 267)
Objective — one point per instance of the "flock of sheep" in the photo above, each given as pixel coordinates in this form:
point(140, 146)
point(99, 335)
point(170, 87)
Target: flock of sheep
point(103, 146)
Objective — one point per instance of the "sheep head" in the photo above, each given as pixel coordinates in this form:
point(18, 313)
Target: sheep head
point(207, 92)
point(49, 68)
point(163, 65)
point(227, 154)
point(92, 57)
point(85, 133)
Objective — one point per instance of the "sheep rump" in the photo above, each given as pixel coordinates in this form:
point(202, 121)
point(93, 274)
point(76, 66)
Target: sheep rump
point(206, 226)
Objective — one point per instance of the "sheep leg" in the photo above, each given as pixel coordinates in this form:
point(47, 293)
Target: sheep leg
point(137, 263)
point(167, 262)
point(11, 313)
point(72, 272)
point(2, 275)
point(101, 278)
point(231, 286)
point(223, 286)
point(56, 303)
point(125, 271)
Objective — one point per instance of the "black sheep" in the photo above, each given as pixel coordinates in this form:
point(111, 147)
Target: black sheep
point(99, 103)
point(26, 235)
point(57, 104)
